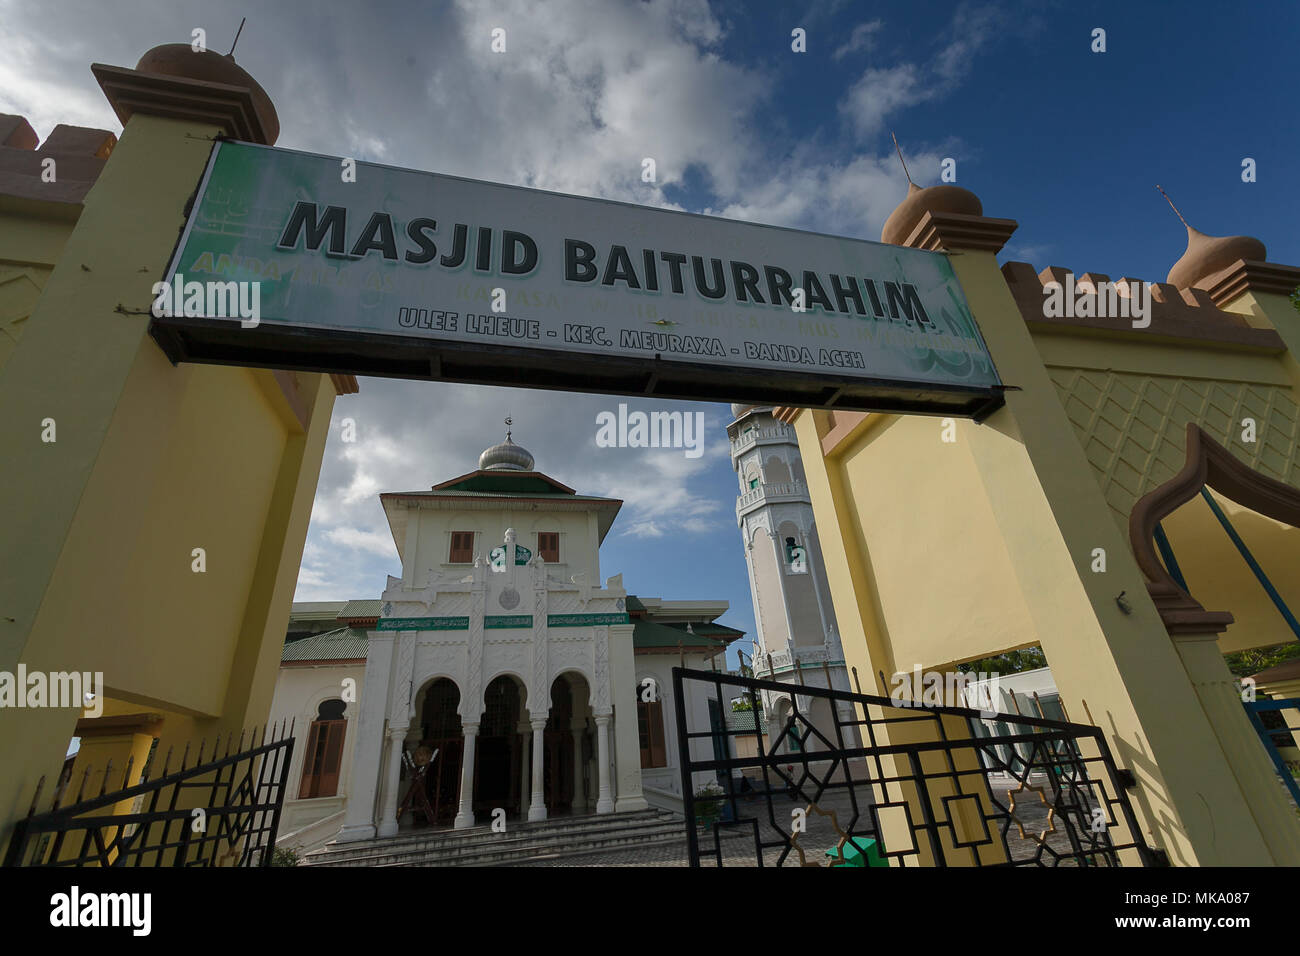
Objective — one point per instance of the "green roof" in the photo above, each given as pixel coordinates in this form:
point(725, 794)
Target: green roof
point(649, 634)
point(338, 645)
point(359, 609)
point(505, 482)
point(741, 720)
point(634, 603)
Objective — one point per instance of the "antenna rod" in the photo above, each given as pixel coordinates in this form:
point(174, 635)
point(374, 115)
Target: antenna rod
point(901, 159)
point(237, 33)
point(1172, 206)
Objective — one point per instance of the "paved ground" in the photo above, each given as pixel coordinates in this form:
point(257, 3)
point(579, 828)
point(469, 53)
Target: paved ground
point(737, 848)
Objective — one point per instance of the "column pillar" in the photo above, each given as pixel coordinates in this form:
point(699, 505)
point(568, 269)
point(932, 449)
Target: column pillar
point(537, 807)
point(525, 773)
point(465, 817)
point(605, 803)
point(392, 772)
point(577, 726)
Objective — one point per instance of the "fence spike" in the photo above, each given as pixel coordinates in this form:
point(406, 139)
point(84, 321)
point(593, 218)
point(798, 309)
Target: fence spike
point(262, 740)
point(1039, 704)
point(185, 757)
point(168, 759)
point(126, 775)
point(230, 739)
point(60, 789)
point(1063, 710)
point(884, 684)
point(856, 683)
point(293, 725)
point(1087, 711)
point(36, 796)
point(108, 768)
point(82, 789)
point(242, 731)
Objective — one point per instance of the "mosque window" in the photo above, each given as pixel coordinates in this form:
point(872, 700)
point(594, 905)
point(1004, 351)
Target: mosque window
point(650, 719)
point(462, 547)
point(324, 753)
point(548, 544)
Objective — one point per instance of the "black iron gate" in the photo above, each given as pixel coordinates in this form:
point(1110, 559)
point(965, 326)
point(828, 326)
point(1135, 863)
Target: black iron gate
point(850, 779)
point(225, 812)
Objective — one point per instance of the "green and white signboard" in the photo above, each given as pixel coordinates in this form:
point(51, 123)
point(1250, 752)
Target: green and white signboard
point(375, 270)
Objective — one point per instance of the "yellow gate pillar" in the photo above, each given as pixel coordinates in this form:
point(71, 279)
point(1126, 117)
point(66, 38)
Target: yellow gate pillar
point(120, 467)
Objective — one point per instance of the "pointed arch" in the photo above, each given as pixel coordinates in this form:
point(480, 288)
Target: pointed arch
point(1211, 465)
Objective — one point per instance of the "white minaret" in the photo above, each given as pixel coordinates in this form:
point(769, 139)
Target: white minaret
point(793, 615)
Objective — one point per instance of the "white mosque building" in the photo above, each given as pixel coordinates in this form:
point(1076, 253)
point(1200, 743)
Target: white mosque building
point(796, 641)
point(540, 691)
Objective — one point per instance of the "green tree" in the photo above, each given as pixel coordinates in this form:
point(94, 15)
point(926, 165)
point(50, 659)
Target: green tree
point(1245, 663)
point(1012, 662)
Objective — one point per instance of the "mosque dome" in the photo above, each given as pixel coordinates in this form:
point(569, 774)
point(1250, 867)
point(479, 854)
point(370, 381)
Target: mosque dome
point(941, 198)
point(1207, 255)
point(180, 59)
point(506, 456)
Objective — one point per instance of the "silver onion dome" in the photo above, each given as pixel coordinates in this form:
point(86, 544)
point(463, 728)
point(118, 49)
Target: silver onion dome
point(506, 456)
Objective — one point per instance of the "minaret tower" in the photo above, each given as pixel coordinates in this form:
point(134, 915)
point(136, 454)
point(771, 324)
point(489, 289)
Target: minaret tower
point(796, 637)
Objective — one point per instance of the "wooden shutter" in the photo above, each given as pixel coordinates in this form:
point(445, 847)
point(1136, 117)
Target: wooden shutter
point(327, 775)
point(650, 717)
point(462, 547)
point(306, 791)
point(548, 543)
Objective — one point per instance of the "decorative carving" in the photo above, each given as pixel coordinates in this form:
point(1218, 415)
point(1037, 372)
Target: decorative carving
point(471, 704)
point(541, 673)
point(602, 670)
point(400, 710)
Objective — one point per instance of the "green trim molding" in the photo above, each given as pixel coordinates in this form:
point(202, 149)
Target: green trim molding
point(496, 622)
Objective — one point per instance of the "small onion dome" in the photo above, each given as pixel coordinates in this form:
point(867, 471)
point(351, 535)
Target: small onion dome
point(942, 198)
point(180, 59)
point(506, 456)
point(1207, 255)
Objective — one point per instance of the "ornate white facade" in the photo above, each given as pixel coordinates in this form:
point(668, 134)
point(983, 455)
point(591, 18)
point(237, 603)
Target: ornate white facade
point(519, 671)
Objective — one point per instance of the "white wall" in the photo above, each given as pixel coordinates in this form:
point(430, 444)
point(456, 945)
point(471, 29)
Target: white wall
point(299, 691)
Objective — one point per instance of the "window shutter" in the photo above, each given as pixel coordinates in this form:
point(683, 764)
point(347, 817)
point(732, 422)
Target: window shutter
point(327, 784)
point(548, 543)
point(305, 792)
point(462, 547)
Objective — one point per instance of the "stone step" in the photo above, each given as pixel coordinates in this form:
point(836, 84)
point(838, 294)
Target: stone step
point(436, 839)
point(482, 847)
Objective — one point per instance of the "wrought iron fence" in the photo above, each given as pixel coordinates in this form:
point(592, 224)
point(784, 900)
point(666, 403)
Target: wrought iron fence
point(225, 812)
point(1280, 737)
point(852, 779)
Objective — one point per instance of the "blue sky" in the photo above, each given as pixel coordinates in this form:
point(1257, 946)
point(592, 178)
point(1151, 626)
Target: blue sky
point(1068, 142)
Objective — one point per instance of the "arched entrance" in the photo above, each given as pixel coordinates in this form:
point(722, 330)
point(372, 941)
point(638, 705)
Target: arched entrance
point(568, 746)
point(440, 730)
point(499, 753)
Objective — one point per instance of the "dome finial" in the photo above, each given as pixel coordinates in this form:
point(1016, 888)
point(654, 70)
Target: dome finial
point(901, 159)
point(1172, 206)
point(1207, 255)
point(509, 421)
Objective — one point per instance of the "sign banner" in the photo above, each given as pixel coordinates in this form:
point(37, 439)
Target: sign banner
point(443, 263)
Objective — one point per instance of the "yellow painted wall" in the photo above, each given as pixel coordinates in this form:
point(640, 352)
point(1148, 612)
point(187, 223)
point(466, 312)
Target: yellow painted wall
point(151, 461)
point(936, 559)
